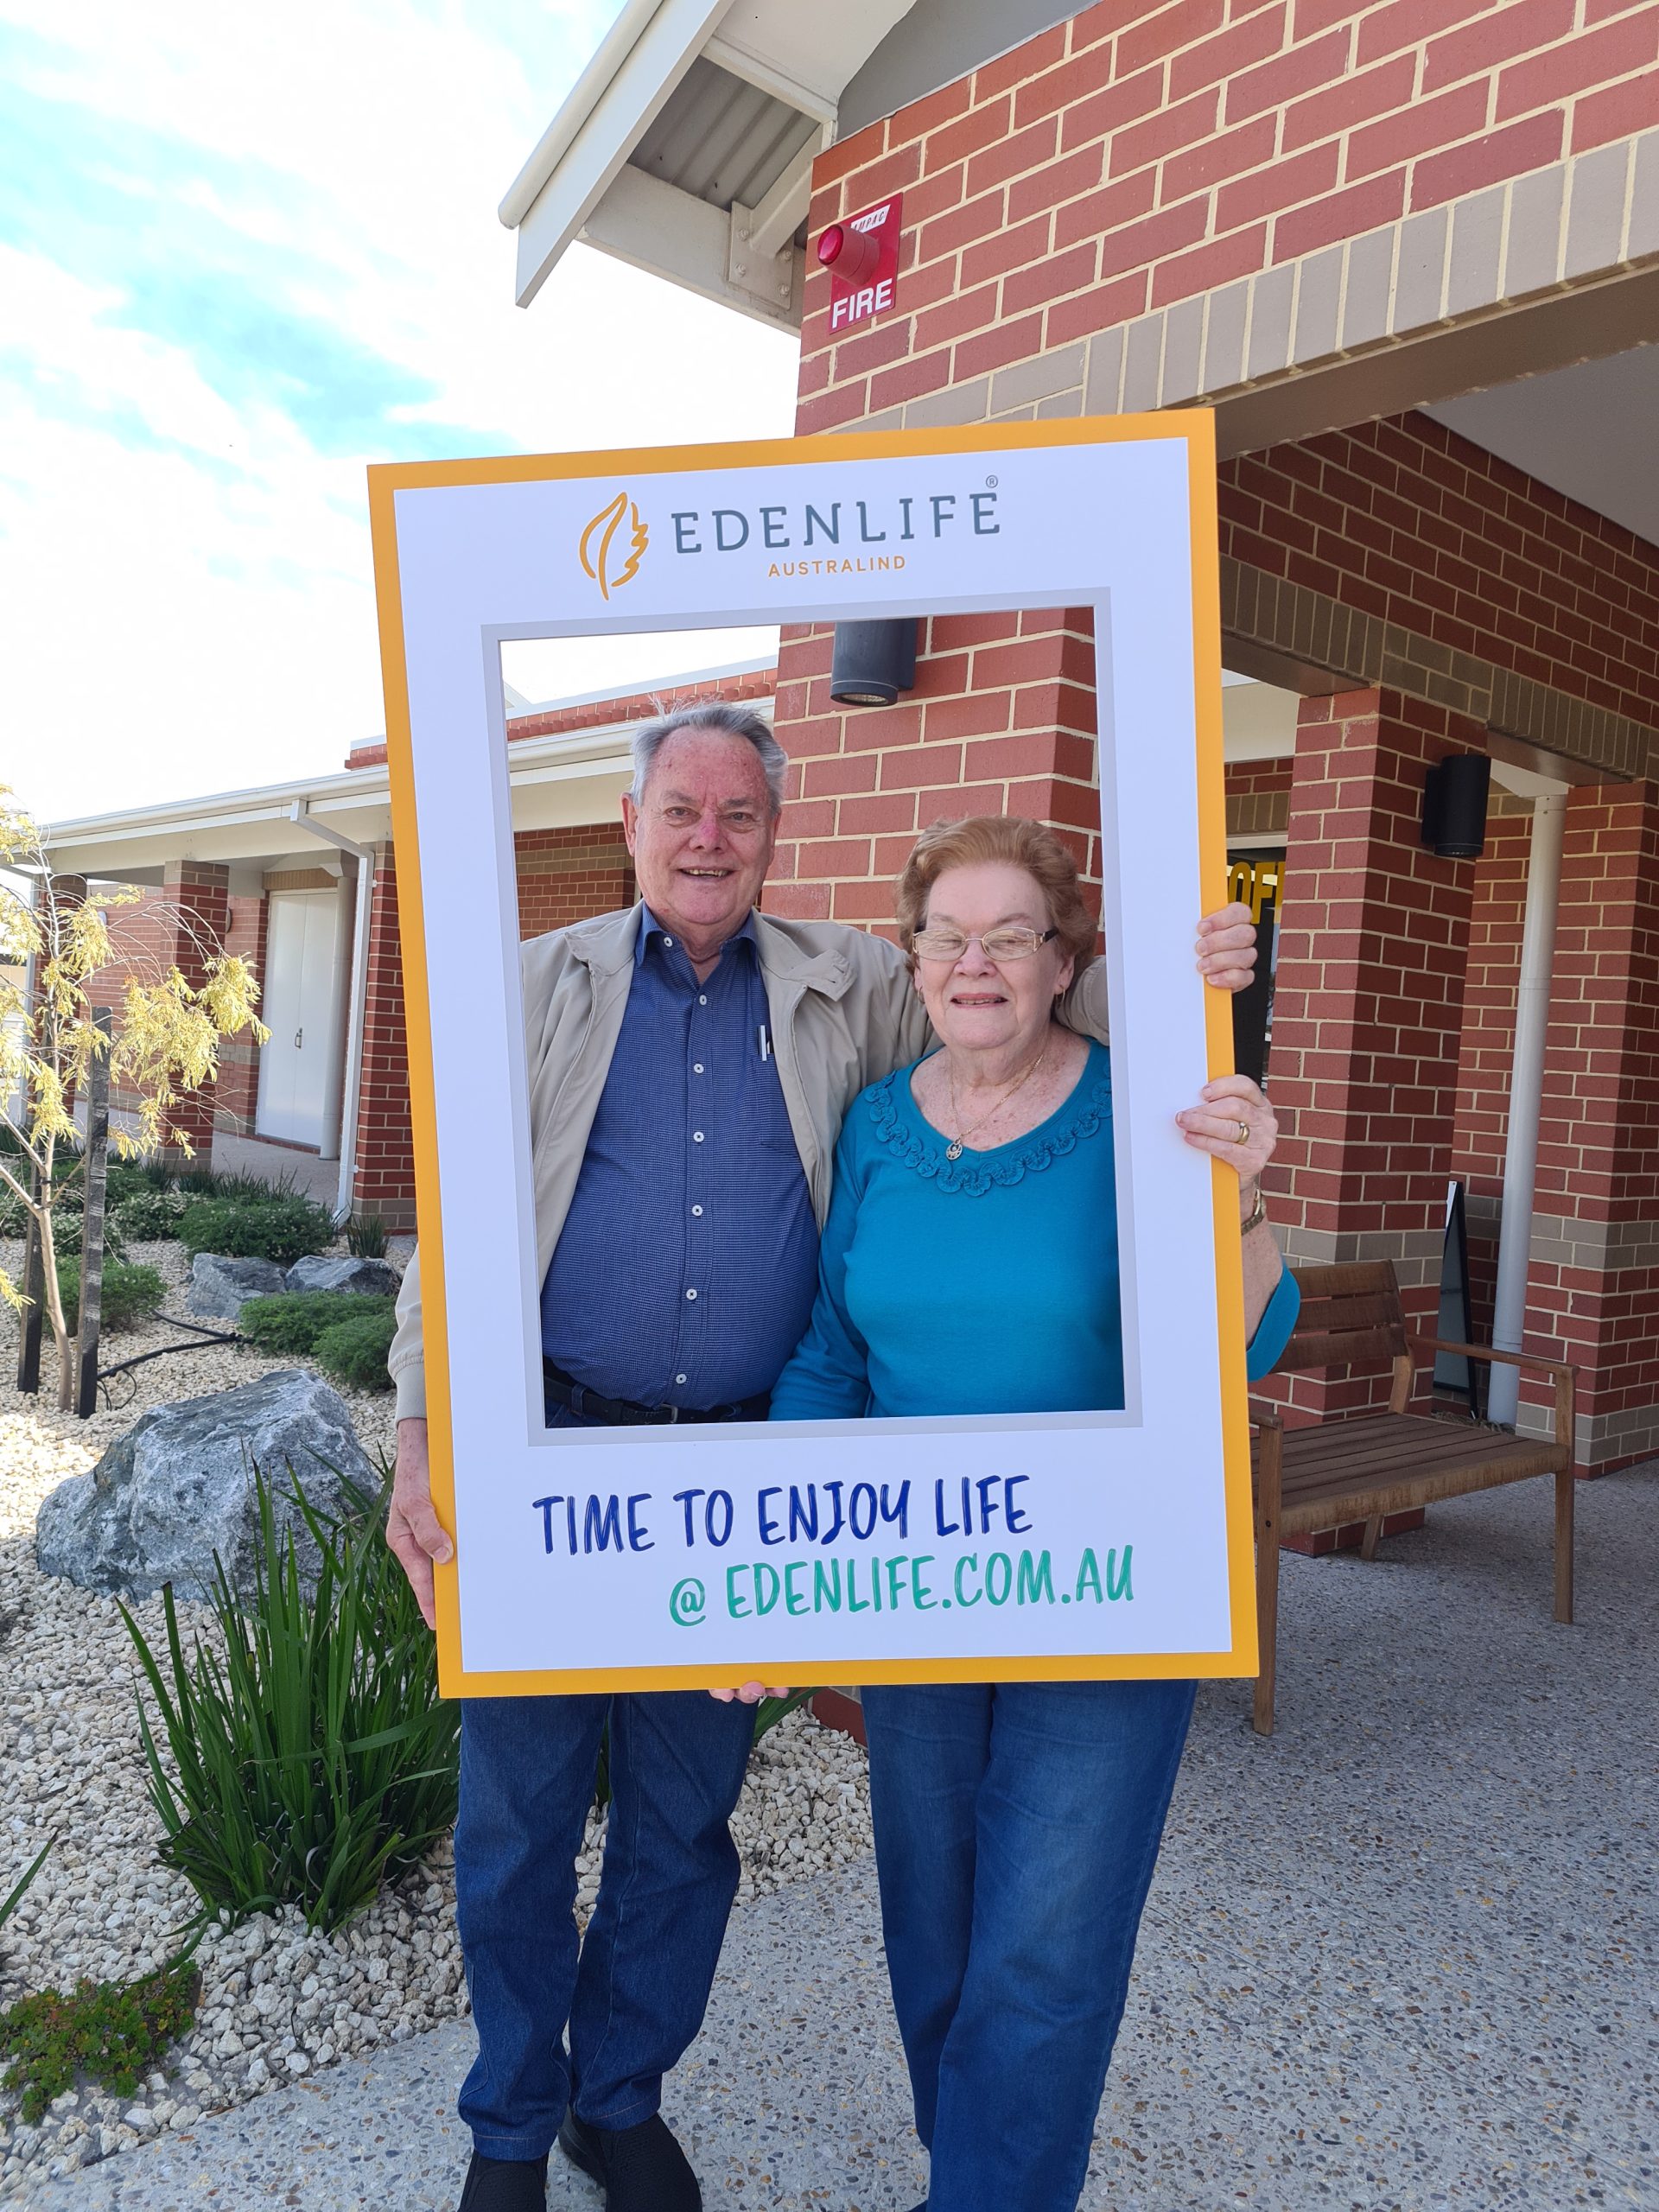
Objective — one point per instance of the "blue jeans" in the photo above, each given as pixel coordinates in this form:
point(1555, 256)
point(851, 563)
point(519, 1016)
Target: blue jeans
point(1017, 1826)
point(634, 1999)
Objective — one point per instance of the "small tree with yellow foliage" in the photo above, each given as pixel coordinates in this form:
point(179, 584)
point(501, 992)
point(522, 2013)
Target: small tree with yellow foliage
point(166, 1039)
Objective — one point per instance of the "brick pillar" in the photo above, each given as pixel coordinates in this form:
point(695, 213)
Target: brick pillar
point(1001, 721)
point(384, 1179)
point(1368, 1012)
point(1592, 1291)
point(195, 897)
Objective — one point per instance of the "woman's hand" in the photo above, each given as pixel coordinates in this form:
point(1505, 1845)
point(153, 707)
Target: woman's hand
point(750, 1693)
point(1226, 948)
point(1233, 1122)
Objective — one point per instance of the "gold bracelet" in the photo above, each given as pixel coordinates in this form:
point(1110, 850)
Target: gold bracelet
point(1257, 1214)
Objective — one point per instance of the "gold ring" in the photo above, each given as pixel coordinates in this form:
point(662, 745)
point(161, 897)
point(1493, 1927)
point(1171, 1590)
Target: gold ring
point(1243, 1136)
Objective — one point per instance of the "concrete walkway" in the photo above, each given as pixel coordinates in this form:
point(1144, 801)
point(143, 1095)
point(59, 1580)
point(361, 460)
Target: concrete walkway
point(1403, 1955)
point(276, 1164)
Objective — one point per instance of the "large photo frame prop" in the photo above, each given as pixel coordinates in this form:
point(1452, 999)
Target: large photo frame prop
point(1116, 1543)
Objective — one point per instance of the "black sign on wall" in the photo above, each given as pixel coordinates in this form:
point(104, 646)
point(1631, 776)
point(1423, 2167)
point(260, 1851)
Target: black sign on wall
point(1255, 880)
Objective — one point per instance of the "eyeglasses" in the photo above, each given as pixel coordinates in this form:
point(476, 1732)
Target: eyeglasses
point(1011, 943)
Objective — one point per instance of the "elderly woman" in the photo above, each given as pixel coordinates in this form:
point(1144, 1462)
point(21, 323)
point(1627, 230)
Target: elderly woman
point(969, 1265)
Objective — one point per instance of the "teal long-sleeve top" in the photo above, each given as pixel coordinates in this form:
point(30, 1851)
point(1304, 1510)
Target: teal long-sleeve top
point(983, 1285)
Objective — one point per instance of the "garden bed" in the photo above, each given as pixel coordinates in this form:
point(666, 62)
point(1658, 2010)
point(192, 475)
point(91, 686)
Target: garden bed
point(276, 2001)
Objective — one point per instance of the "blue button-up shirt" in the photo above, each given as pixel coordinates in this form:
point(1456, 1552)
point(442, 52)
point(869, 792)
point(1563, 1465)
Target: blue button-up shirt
point(685, 1272)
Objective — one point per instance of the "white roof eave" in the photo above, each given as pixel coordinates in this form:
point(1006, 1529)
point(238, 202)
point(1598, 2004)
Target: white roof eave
point(241, 825)
point(578, 184)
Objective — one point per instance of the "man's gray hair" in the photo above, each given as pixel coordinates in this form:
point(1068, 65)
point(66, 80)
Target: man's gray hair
point(712, 714)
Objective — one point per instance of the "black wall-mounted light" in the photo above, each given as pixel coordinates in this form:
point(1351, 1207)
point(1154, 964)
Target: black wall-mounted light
point(873, 663)
point(1454, 806)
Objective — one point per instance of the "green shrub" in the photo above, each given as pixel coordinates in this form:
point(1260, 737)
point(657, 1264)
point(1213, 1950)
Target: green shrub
point(291, 1320)
point(146, 1214)
point(131, 1294)
point(114, 2031)
point(366, 1237)
point(135, 1179)
point(198, 1181)
point(278, 1225)
point(354, 1351)
point(312, 1758)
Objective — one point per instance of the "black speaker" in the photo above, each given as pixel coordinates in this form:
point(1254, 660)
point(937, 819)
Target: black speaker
point(873, 663)
point(1454, 806)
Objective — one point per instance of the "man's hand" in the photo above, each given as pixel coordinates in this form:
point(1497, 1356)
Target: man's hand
point(1226, 948)
point(413, 1529)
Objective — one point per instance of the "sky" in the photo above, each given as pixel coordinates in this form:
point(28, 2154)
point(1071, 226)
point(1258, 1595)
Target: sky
point(244, 253)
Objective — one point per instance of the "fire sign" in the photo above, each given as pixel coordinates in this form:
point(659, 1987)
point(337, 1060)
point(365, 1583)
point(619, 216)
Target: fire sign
point(861, 255)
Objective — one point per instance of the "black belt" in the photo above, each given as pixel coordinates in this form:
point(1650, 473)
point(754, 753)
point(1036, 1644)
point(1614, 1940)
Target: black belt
point(622, 1413)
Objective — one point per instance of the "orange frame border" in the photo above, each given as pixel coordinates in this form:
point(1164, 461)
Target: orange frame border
point(1195, 428)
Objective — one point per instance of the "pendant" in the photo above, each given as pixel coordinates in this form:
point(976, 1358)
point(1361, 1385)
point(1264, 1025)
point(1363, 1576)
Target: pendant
point(953, 1151)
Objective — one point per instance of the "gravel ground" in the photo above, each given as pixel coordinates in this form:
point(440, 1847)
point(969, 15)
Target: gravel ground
point(1401, 1957)
point(277, 2003)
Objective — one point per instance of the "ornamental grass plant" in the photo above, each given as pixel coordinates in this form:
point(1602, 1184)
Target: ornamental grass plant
point(311, 1758)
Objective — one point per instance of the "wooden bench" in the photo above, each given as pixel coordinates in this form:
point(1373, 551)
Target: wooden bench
point(1366, 1466)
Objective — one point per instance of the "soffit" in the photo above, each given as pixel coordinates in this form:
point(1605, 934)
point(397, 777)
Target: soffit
point(1586, 430)
point(686, 147)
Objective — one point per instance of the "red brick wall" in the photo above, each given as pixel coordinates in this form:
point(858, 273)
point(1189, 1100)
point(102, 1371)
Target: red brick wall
point(638, 707)
point(1251, 778)
point(173, 926)
point(384, 1182)
point(564, 876)
point(1001, 721)
point(1409, 522)
point(1140, 153)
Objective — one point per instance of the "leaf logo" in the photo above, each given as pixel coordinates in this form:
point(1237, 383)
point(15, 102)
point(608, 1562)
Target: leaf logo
point(598, 548)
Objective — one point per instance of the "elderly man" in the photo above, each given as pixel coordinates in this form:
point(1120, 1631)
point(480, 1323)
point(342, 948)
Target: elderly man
point(689, 1064)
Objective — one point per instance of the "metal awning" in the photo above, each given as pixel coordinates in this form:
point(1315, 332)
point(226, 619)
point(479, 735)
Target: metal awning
point(686, 147)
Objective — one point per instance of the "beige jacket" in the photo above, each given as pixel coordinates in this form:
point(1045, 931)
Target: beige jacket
point(843, 1014)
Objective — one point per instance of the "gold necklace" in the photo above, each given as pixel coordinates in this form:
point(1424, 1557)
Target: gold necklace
point(953, 1150)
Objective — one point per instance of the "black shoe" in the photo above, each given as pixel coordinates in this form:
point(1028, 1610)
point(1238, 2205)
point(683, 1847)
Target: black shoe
point(640, 2169)
point(505, 2184)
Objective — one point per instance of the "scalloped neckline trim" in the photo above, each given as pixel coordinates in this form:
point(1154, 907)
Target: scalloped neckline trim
point(906, 1132)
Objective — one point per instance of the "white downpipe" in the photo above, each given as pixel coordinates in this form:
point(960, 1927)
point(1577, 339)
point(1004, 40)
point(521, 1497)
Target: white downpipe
point(1526, 1097)
point(357, 1001)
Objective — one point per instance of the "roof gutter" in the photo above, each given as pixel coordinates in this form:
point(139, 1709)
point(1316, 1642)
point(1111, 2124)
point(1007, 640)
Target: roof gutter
point(584, 97)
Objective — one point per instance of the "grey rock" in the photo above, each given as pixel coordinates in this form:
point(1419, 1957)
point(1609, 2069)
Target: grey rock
point(373, 1278)
point(220, 1288)
point(179, 1487)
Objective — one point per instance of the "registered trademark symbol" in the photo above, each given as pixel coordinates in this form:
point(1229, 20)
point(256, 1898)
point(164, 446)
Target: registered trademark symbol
point(990, 483)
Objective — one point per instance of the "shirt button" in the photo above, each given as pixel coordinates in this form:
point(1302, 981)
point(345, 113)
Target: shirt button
point(703, 999)
point(698, 1210)
point(668, 942)
point(696, 1067)
point(690, 1294)
point(679, 1378)
point(696, 1136)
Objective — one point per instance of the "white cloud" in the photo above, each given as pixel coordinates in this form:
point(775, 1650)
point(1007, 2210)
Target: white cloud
point(269, 253)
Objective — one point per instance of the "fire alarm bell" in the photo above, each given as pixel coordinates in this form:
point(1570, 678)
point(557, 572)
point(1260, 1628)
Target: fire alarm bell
point(861, 255)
